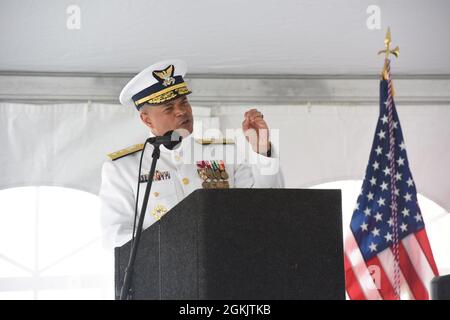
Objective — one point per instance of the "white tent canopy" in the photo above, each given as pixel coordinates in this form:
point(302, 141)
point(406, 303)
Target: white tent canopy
point(223, 37)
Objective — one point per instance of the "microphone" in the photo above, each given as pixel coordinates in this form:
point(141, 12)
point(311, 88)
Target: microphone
point(169, 140)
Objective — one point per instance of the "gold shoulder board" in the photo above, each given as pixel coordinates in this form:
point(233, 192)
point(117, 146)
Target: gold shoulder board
point(124, 152)
point(215, 141)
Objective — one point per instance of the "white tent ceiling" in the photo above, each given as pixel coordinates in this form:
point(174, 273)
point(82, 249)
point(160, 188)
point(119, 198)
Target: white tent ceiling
point(224, 37)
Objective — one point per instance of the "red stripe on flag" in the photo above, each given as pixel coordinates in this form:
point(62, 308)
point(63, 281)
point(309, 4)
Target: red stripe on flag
point(354, 290)
point(409, 272)
point(384, 286)
point(422, 238)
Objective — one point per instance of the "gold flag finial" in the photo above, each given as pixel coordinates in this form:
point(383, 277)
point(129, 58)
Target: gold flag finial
point(387, 39)
point(388, 51)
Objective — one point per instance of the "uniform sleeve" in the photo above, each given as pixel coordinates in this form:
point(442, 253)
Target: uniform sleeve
point(117, 207)
point(260, 172)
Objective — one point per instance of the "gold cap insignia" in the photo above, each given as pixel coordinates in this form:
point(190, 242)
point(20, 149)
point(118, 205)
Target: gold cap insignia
point(165, 76)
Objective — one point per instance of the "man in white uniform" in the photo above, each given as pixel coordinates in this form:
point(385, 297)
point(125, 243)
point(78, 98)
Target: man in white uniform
point(159, 93)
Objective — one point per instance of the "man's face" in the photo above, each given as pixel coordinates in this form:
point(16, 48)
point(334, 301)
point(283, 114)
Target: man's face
point(175, 114)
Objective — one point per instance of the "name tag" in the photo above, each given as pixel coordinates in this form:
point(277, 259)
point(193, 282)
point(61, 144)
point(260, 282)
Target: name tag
point(159, 176)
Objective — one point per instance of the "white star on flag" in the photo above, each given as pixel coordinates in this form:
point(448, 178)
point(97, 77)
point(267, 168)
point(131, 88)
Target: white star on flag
point(364, 227)
point(376, 232)
point(410, 182)
point(378, 216)
point(381, 202)
point(405, 212)
point(382, 135)
point(391, 222)
point(375, 165)
point(404, 227)
point(401, 161)
point(379, 150)
point(384, 186)
point(407, 197)
point(388, 237)
point(370, 196)
point(373, 247)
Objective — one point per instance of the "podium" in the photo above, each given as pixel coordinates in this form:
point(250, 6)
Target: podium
point(242, 244)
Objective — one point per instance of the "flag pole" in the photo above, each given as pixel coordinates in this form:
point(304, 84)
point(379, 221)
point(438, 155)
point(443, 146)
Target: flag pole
point(386, 76)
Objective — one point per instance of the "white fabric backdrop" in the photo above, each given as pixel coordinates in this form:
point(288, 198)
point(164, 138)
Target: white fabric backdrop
point(324, 143)
point(66, 144)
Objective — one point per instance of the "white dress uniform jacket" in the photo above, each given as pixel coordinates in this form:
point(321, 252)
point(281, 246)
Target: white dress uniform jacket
point(178, 177)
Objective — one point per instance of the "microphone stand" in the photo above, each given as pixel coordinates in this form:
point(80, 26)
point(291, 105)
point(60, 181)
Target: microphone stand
point(126, 292)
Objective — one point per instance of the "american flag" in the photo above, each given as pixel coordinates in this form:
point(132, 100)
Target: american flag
point(387, 253)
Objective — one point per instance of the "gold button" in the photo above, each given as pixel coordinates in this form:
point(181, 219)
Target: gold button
point(185, 181)
point(159, 211)
point(156, 194)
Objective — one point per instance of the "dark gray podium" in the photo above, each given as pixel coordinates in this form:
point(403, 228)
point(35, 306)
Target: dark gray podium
point(242, 244)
